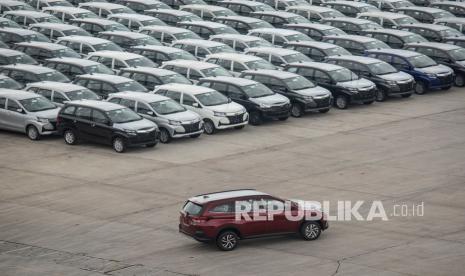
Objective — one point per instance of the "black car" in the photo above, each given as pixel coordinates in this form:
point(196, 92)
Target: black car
point(261, 103)
point(452, 56)
point(105, 123)
point(351, 8)
point(305, 96)
point(205, 29)
point(279, 18)
point(172, 16)
point(10, 36)
point(389, 80)
point(160, 54)
point(316, 50)
point(355, 44)
point(457, 8)
point(396, 39)
point(425, 14)
point(126, 40)
point(314, 30)
point(151, 77)
point(346, 86)
point(104, 84)
point(432, 32)
point(41, 51)
point(72, 67)
point(8, 56)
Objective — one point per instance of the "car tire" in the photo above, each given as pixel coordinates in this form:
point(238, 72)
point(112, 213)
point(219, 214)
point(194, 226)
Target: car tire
point(459, 80)
point(209, 127)
point(255, 118)
point(32, 133)
point(195, 136)
point(341, 101)
point(420, 88)
point(324, 110)
point(239, 127)
point(369, 102)
point(227, 241)
point(297, 110)
point(310, 230)
point(165, 136)
point(406, 96)
point(381, 95)
point(119, 144)
point(70, 137)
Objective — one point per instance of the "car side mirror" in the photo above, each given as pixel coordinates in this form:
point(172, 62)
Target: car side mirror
point(195, 105)
point(151, 113)
point(20, 110)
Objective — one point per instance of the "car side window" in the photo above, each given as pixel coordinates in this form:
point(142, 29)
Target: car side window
point(58, 97)
point(223, 208)
point(321, 76)
point(13, 105)
point(128, 103)
point(69, 110)
point(144, 109)
point(99, 117)
point(235, 92)
point(2, 103)
point(83, 113)
point(45, 93)
point(115, 100)
point(174, 95)
point(218, 86)
point(188, 100)
point(399, 63)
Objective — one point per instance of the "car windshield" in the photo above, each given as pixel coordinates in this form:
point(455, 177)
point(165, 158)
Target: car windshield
point(343, 75)
point(181, 55)
point(53, 76)
point(141, 61)
point(10, 84)
point(259, 43)
point(66, 52)
point(152, 22)
point(145, 41)
point(192, 208)
point(167, 107)
point(369, 26)
point(405, 20)
point(369, 8)
point(381, 68)
point(297, 37)
point(49, 19)
point(298, 83)
point(376, 44)
point(131, 86)
point(174, 78)
point(60, 3)
point(123, 115)
point(36, 37)
point(443, 14)
point(401, 4)
point(9, 24)
point(117, 27)
point(24, 7)
point(260, 24)
point(215, 72)
point(221, 49)
point(85, 15)
point(334, 31)
point(76, 31)
point(21, 59)
point(259, 64)
point(225, 30)
point(450, 32)
point(189, 17)
point(83, 94)
point(186, 35)
point(257, 90)
point(107, 46)
point(336, 51)
point(224, 12)
point(212, 98)
point(98, 68)
point(421, 61)
point(331, 14)
point(37, 104)
point(457, 54)
point(414, 38)
point(121, 10)
point(296, 58)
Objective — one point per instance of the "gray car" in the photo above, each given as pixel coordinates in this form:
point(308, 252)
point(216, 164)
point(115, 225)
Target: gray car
point(59, 93)
point(171, 117)
point(27, 112)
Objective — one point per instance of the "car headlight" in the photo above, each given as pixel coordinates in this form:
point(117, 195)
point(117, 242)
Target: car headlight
point(307, 98)
point(262, 105)
point(174, 122)
point(431, 75)
point(130, 131)
point(43, 120)
point(219, 114)
point(391, 83)
point(351, 89)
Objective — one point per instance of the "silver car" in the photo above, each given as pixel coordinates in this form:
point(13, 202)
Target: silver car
point(173, 120)
point(27, 112)
point(59, 93)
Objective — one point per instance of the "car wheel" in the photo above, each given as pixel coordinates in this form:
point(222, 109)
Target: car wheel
point(32, 133)
point(296, 110)
point(459, 80)
point(165, 136)
point(209, 127)
point(420, 88)
point(255, 119)
point(119, 145)
point(406, 96)
point(70, 137)
point(324, 110)
point(195, 136)
point(380, 96)
point(310, 230)
point(369, 102)
point(227, 241)
point(239, 127)
point(341, 102)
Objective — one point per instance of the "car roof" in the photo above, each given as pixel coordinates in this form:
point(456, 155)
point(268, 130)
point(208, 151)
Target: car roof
point(348, 19)
point(102, 105)
point(277, 13)
point(206, 198)
point(397, 52)
point(101, 21)
point(204, 24)
point(9, 52)
point(84, 39)
point(74, 61)
point(171, 11)
point(191, 63)
point(158, 48)
point(358, 38)
point(199, 42)
point(129, 34)
point(102, 5)
point(140, 96)
point(280, 31)
point(29, 13)
point(316, 44)
point(317, 26)
point(358, 59)
point(106, 77)
point(66, 9)
point(204, 7)
point(246, 19)
point(320, 65)
point(186, 88)
point(275, 73)
point(390, 15)
point(132, 16)
point(437, 45)
point(115, 54)
point(427, 26)
point(350, 3)
point(310, 8)
point(55, 26)
point(235, 57)
point(58, 86)
point(240, 37)
point(273, 50)
point(36, 69)
point(18, 31)
point(166, 29)
point(42, 45)
point(391, 31)
point(17, 94)
point(234, 80)
point(149, 70)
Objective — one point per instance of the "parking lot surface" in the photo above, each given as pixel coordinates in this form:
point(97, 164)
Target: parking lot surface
point(85, 210)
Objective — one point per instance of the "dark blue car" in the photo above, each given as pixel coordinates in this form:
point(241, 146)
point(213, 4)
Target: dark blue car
point(427, 73)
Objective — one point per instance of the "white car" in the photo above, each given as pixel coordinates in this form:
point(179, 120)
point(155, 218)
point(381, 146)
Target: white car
point(236, 63)
point(116, 60)
point(216, 110)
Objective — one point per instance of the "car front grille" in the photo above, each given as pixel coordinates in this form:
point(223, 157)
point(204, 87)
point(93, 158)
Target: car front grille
point(191, 127)
point(404, 87)
point(365, 94)
point(446, 79)
point(236, 119)
point(322, 102)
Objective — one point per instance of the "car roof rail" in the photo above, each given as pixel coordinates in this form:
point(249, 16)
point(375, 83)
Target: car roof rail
point(235, 190)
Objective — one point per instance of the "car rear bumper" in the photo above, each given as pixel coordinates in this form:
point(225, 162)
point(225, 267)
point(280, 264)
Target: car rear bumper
point(198, 235)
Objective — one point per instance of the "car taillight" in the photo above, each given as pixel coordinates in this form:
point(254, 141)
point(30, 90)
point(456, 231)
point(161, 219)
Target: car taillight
point(199, 220)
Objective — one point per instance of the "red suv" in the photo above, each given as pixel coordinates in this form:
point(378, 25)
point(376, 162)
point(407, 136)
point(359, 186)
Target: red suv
point(226, 217)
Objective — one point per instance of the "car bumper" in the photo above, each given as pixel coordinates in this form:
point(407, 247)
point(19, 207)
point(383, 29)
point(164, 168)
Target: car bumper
point(143, 139)
point(181, 135)
point(364, 96)
point(226, 126)
point(47, 129)
point(441, 82)
point(198, 235)
point(318, 104)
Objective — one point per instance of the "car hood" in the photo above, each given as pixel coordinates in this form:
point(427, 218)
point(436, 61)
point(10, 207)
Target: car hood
point(136, 125)
point(437, 69)
point(231, 107)
point(358, 84)
point(460, 62)
point(314, 91)
point(183, 116)
point(50, 114)
point(275, 99)
point(399, 76)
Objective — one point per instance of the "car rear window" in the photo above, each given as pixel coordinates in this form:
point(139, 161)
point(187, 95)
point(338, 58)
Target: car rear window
point(192, 208)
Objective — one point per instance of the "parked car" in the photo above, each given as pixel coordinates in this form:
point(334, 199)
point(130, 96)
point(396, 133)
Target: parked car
point(205, 29)
point(175, 4)
point(26, 73)
point(316, 50)
point(260, 102)
point(134, 21)
point(388, 20)
point(195, 70)
point(459, 41)
point(279, 18)
point(27, 113)
point(160, 54)
point(279, 37)
point(395, 38)
point(41, 51)
point(432, 32)
point(315, 31)
point(172, 16)
point(84, 45)
point(457, 8)
point(216, 110)
point(11, 36)
point(40, 4)
point(26, 18)
point(314, 13)
point(427, 73)
point(242, 24)
point(59, 93)
point(207, 12)
point(9, 83)
point(8, 56)
point(139, 6)
point(12, 5)
point(7, 23)
point(356, 44)
point(236, 63)
point(55, 30)
point(457, 23)
point(151, 77)
point(68, 14)
point(96, 25)
point(240, 43)
point(72, 67)
point(244, 7)
point(103, 84)
point(389, 80)
point(345, 86)
point(351, 8)
point(201, 48)
point(168, 34)
point(389, 5)
point(277, 57)
point(425, 14)
point(452, 56)
point(116, 60)
point(225, 230)
point(105, 123)
point(173, 120)
point(126, 40)
point(104, 9)
point(355, 26)
point(283, 4)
